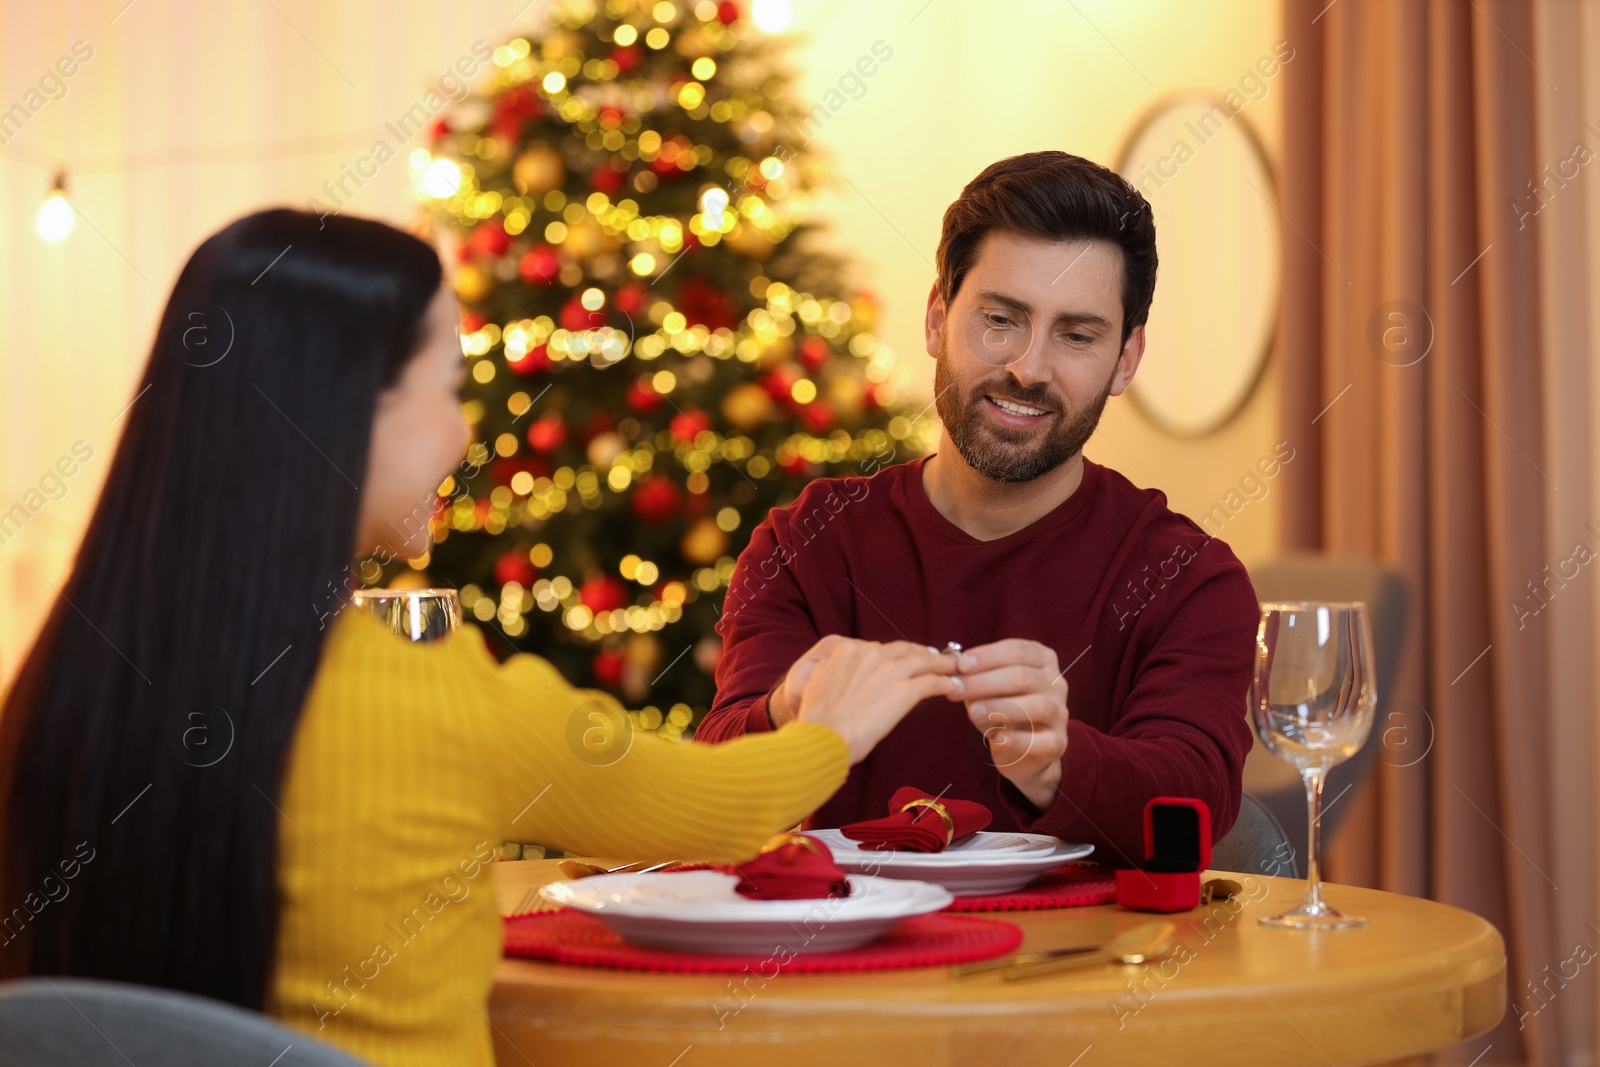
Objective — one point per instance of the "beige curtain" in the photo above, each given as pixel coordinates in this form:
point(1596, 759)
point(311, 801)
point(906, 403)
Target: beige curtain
point(1411, 128)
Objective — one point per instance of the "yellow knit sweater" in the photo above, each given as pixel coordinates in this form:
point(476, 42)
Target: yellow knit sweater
point(413, 761)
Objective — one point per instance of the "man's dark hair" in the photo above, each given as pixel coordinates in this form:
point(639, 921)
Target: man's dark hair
point(1056, 196)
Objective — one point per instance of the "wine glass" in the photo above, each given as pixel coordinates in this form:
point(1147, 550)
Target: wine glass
point(1312, 700)
point(415, 614)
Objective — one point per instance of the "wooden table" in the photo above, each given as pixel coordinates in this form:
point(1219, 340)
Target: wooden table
point(1421, 976)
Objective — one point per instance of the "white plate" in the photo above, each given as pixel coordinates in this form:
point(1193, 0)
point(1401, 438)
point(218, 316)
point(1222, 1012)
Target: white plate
point(699, 911)
point(981, 865)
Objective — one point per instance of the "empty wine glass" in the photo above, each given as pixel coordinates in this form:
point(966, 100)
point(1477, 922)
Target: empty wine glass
point(415, 614)
point(1312, 700)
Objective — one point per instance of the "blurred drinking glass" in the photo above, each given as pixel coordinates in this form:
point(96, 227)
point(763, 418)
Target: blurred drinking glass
point(1312, 700)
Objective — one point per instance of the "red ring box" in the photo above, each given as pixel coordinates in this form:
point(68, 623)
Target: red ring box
point(1177, 845)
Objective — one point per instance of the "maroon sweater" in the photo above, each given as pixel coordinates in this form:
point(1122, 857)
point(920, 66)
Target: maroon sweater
point(1152, 620)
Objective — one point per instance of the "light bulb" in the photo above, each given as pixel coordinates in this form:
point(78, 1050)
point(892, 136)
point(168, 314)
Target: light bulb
point(56, 217)
point(441, 179)
point(771, 16)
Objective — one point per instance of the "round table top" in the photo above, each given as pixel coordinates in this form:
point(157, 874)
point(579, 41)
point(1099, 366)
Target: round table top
point(1419, 977)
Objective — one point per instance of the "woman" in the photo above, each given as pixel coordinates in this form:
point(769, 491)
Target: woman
point(210, 784)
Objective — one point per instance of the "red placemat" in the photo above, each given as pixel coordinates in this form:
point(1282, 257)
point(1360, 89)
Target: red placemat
point(572, 937)
point(1073, 885)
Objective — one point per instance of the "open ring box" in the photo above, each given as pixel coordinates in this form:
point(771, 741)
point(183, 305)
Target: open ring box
point(1177, 845)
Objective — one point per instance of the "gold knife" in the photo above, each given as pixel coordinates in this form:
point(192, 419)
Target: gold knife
point(962, 970)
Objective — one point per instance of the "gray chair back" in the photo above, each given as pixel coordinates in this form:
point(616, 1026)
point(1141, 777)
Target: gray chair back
point(76, 1022)
point(1256, 844)
point(1312, 576)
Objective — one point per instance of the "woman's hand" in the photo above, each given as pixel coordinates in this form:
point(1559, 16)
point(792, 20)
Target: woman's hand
point(862, 689)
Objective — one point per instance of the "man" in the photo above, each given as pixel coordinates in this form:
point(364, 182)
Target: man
point(1106, 640)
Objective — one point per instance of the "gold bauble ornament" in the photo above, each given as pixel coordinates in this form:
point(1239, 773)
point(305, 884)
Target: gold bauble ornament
point(604, 449)
point(538, 170)
point(847, 397)
point(472, 283)
point(750, 241)
point(747, 406)
point(780, 351)
point(705, 543)
point(587, 240)
point(643, 650)
point(562, 43)
point(864, 312)
point(694, 43)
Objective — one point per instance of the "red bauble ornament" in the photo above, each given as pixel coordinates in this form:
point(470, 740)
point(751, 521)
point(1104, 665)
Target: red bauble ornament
point(795, 466)
point(642, 399)
point(727, 12)
point(504, 468)
point(817, 417)
point(514, 566)
point(687, 425)
point(437, 132)
point(626, 58)
point(547, 434)
point(814, 351)
point(656, 498)
point(608, 665)
point(606, 180)
point(576, 318)
point(472, 321)
point(506, 127)
point(705, 304)
point(780, 383)
point(511, 109)
point(539, 265)
point(535, 361)
point(602, 593)
point(488, 239)
point(631, 299)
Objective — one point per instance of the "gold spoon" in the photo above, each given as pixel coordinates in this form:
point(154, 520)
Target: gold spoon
point(575, 869)
point(1140, 944)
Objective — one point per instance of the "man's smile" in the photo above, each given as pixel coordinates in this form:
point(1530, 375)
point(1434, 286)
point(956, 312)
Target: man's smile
point(1012, 413)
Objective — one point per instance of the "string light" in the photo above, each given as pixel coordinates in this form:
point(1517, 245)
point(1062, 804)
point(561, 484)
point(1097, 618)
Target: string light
point(56, 218)
point(441, 179)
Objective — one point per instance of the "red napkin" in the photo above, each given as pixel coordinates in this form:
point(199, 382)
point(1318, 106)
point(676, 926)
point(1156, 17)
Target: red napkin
point(920, 828)
point(792, 867)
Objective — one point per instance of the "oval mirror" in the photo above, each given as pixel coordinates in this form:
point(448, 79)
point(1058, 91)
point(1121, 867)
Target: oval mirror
point(1210, 185)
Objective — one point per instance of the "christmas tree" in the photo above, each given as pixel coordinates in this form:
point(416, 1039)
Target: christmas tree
point(659, 354)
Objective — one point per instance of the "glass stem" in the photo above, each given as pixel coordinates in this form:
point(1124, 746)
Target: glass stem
point(1314, 780)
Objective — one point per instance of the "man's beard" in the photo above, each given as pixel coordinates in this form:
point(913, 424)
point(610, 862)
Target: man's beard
point(1001, 454)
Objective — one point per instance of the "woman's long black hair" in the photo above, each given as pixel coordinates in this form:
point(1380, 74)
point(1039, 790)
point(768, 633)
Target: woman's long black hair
point(144, 743)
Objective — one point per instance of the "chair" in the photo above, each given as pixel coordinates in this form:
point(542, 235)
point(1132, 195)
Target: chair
point(1312, 576)
point(1256, 844)
point(75, 1022)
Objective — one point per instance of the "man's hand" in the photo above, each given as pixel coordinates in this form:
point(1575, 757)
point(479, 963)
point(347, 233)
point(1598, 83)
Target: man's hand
point(1017, 695)
point(784, 703)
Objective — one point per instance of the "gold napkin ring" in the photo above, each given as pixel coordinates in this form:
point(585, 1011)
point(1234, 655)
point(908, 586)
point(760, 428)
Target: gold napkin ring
point(944, 813)
point(777, 841)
